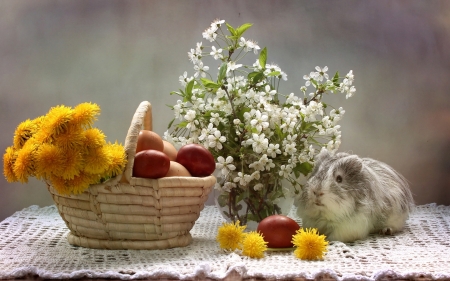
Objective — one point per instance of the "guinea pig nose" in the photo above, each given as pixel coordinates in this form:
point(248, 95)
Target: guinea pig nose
point(317, 193)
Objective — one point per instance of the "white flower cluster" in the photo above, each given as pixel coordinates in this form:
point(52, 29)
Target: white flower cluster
point(241, 118)
point(346, 86)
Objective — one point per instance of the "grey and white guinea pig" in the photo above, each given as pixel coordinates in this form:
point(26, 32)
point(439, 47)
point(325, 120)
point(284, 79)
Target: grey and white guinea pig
point(346, 198)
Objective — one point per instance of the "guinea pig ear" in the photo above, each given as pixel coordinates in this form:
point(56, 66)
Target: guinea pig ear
point(323, 154)
point(319, 159)
point(350, 166)
point(342, 154)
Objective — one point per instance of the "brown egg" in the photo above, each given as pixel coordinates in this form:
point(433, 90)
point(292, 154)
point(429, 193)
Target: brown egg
point(151, 164)
point(196, 159)
point(278, 230)
point(149, 140)
point(177, 170)
point(170, 150)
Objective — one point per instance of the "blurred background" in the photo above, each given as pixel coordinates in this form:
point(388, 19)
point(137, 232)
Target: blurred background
point(119, 53)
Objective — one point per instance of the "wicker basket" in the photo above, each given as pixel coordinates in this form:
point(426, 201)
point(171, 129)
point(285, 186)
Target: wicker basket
point(135, 213)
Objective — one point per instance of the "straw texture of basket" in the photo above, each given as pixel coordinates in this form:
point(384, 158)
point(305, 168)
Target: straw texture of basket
point(135, 213)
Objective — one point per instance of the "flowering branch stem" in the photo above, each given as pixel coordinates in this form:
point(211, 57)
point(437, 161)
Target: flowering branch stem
point(230, 98)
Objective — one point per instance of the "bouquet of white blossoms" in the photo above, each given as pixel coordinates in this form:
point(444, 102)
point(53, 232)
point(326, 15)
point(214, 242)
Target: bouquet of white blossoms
point(261, 139)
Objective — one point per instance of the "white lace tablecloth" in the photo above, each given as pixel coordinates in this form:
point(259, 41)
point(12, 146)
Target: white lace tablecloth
point(33, 243)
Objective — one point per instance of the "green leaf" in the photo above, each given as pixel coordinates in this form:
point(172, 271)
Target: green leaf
point(189, 88)
point(336, 79)
point(274, 73)
point(182, 124)
point(241, 29)
point(308, 127)
point(232, 38)
point(252, 217)
point(231, 29)
point(277, 194)
point(252, 75)
point(226, 214)
point(222, 72)
point(209, 83)
point(175, 93)
point(305, 168)
point(170, 124)
point(240, 197)
point(263, 57)
point(255, 77)
point(242, 112)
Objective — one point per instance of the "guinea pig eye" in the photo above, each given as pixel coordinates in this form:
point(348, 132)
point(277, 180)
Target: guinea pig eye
point(339, 178)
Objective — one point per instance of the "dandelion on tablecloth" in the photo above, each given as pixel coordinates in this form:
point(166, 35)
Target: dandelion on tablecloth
point(253, 245)
point(230, 236)
point(309, 244)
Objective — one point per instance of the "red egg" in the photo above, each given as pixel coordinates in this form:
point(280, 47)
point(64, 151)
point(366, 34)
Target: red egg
point(196, 159)
point(151, 164)
point(278, 230)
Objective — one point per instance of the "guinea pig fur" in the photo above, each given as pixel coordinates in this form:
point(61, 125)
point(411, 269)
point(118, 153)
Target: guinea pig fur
point(347, 197)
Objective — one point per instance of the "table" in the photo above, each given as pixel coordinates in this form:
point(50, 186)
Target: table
point(33, 245)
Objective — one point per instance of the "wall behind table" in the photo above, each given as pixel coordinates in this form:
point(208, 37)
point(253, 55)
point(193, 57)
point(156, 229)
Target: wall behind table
point(119, 53)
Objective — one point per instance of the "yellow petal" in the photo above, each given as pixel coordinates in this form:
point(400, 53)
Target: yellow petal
point(230, 236)
point(49, 159)
point(254, 245)
point(9, 159)
point(310, 245)
point(24, 164)
point(85, 114)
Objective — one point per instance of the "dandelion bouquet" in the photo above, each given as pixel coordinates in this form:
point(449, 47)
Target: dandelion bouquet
point(63, 149)
point(261, 138)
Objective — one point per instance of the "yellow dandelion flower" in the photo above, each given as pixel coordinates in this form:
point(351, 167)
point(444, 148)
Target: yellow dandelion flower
point(49, 159)
point(57, 119)
point(43, 137)
point(40, 135)
point(70, 138)
point(73, 164)
point(230, 236)
point(84, 114)
point(80, 183)
point(253, 245)
point(24, 164)
point(77, 185)
point(118, 158)
point(94, 138)
point(38, 121)
point(310, 245)
point(9, 158)
point(24, 131)
point(97, 160)
point(59, 184)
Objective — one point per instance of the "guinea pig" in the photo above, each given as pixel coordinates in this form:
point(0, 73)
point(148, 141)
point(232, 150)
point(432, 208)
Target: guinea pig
point(346, 198)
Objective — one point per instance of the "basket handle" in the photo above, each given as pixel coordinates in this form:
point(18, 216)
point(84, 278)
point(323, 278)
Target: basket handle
point(142, 119)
